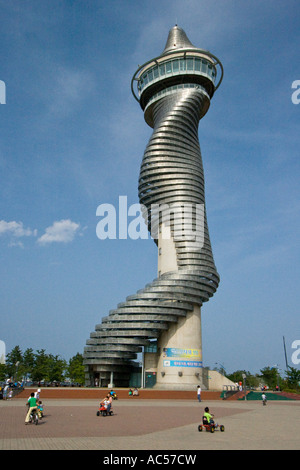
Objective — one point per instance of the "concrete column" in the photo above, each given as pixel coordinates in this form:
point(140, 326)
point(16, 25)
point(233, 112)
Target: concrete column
point(167, 259)
point(180, 354)
point(179, 360)
point(111, 384)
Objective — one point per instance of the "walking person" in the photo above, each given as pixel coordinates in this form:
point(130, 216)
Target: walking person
point(199, 393)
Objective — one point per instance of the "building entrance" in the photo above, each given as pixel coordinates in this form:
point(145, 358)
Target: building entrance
point(150, 379)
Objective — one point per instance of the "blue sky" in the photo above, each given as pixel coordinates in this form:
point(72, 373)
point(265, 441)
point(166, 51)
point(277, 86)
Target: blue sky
point(72, 137)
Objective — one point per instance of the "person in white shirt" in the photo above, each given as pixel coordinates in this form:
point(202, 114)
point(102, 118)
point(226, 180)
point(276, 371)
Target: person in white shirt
point(199, 393)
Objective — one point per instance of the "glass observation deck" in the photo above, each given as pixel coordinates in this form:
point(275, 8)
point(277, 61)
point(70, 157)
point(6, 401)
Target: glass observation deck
point(187, 67)
point(184, 68)
point(176, 67)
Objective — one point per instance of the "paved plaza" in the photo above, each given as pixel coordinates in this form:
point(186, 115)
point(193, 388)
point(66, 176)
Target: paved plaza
point(71, 424)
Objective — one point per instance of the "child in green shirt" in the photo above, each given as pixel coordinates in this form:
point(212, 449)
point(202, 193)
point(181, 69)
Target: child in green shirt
point(32, 405)
point(208, 416)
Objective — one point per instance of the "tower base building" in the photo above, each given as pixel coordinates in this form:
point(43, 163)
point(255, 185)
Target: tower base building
point(161, 323)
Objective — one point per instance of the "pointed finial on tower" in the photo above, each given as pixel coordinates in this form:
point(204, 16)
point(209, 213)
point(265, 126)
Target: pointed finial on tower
point(177, 39)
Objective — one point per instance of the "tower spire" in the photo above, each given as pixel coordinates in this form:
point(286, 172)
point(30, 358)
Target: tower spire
point(177, 39)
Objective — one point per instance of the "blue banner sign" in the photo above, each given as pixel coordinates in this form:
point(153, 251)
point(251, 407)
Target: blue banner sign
point(174, 363)
point(182, 357)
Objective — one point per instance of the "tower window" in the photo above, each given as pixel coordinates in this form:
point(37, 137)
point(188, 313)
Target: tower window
point(197, 65)
point(168, 67)
point(175, 66)
point(155, 72)
point(204, 66)
point(162, 70)
point(190, 64)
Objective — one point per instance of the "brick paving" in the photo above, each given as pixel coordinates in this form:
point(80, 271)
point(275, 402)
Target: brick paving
point(165, 424)
point(80, 419)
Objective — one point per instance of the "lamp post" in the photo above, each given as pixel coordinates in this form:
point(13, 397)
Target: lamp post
point(16, 373)
point(276, 366)
point(222, 368)
point(244, 384)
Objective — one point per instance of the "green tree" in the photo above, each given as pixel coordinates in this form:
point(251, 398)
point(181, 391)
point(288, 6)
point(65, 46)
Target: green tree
point(269, 376)
point(252, 381)
point(2, 372)
point(28, 363)
point(237, 376)
point(39, 366)
point(13, 362)
point(293, 378)
point(40, 370)
point(76, 369)
point(56, 368)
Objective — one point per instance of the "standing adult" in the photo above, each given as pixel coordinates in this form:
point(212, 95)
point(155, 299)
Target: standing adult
point(5, 391)
point(199, 393)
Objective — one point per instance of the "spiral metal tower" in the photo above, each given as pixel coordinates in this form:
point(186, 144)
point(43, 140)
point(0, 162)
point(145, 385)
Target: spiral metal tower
point(174, 91)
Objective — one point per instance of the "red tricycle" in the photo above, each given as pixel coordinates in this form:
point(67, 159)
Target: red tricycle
point(103, 411)
point(210, 427)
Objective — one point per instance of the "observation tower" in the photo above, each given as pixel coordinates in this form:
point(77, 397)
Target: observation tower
point(163, 320)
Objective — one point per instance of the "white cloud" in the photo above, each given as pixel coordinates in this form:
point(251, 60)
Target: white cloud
point(62, 231)
point(15, 229)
